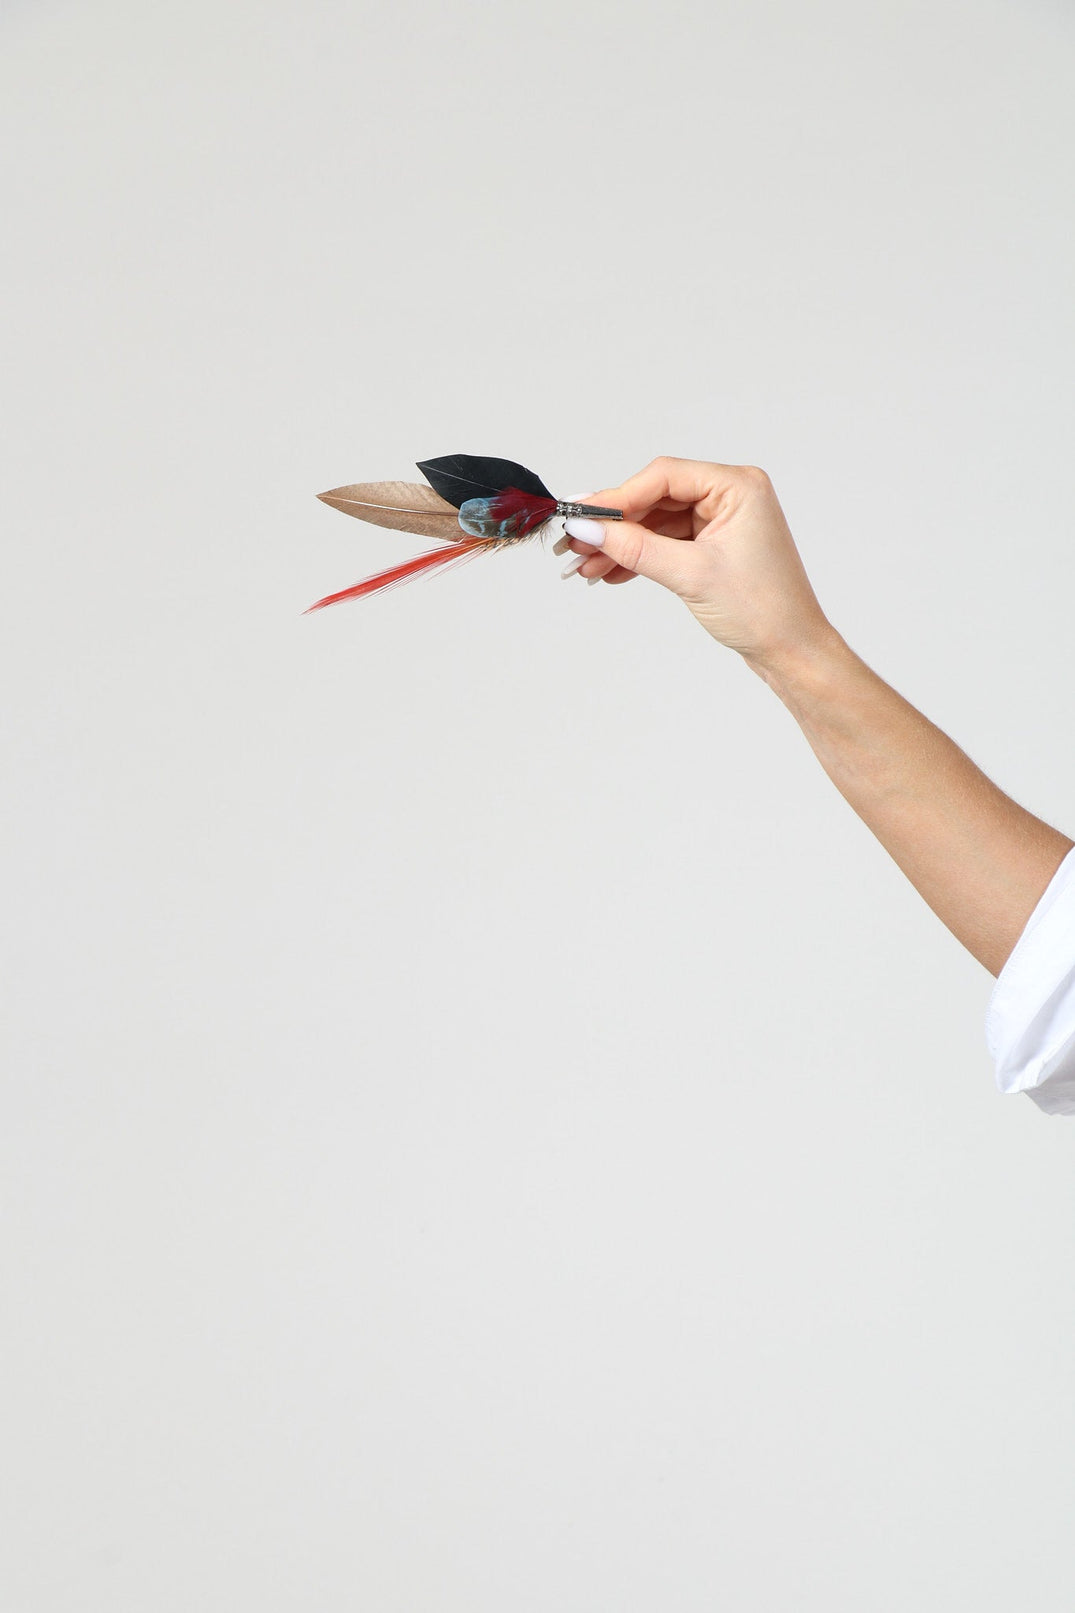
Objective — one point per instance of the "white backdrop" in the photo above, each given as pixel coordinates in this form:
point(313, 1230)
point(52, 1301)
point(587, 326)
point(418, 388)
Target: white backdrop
point(483, 1124)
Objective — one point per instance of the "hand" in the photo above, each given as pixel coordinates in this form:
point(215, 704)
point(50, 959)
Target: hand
point(716, 536)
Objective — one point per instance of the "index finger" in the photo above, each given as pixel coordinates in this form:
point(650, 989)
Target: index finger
point(686, 482)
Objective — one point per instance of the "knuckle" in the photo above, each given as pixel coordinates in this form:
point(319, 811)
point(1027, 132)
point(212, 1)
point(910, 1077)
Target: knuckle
point(755, 477)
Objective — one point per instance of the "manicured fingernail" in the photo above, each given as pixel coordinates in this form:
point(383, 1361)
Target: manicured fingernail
point(591, 580)
point(561, 546)
point(585, 531)
point(573, 565)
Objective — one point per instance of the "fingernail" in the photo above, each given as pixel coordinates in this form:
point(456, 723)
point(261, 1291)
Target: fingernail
point(561, 546)
point(573, 565)
point(591, 580)
point(585, 531)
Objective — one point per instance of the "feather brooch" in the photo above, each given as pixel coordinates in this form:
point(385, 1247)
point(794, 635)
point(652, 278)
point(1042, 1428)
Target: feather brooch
point(494, 502)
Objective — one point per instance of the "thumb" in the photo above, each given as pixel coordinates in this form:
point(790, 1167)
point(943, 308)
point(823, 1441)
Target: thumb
point(663, 560)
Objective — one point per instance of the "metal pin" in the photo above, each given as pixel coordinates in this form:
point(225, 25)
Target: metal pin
point(589, 509)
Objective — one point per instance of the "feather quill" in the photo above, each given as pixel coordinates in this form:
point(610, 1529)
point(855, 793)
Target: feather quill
point(496, 502)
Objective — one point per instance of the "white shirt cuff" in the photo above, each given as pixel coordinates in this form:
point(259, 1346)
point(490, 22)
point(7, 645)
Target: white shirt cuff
point(1030, 1021)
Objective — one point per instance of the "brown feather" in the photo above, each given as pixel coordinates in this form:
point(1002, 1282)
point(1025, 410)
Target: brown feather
point(404, 506)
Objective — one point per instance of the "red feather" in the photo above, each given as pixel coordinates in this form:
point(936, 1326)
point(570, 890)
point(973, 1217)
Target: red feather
point(403, 573)
point(530, 510)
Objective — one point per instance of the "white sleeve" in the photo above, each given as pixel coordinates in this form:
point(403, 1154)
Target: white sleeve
point(1030, 1022)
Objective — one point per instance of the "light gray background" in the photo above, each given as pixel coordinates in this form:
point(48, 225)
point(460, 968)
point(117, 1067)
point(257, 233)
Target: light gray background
point(484, 1125)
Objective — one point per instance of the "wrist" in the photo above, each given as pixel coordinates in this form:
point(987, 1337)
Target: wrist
point(803, 665)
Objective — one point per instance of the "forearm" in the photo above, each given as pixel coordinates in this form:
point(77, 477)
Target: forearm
point(979, 859)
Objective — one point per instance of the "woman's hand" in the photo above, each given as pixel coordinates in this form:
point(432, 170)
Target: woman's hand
point(716, 536)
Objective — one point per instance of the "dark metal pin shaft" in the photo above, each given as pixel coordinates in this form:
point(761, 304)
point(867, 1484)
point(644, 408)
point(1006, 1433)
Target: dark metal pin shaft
point(588, 509)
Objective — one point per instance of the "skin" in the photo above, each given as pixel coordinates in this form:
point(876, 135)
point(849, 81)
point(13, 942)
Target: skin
point(716, 536)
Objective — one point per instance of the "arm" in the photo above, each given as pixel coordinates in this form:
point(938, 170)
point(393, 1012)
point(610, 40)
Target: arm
point(716, 535)
point(980, 861)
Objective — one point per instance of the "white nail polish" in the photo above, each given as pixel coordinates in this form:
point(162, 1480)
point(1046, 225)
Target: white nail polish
point(591, 580)
point(584, 530)
point(573, 565)
point(561, 546)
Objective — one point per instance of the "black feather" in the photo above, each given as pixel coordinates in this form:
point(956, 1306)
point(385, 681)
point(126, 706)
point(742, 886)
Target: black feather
point(457, 477)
